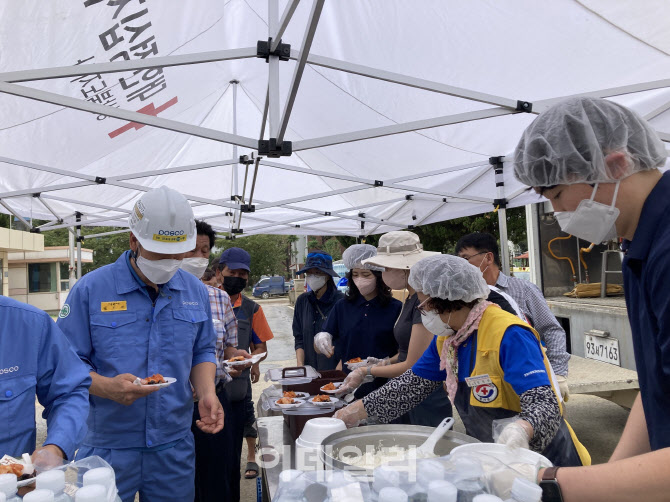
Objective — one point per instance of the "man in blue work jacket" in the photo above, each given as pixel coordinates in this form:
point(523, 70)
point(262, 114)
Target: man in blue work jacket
point(139, 316)
point(598, 163)
point(37, 360)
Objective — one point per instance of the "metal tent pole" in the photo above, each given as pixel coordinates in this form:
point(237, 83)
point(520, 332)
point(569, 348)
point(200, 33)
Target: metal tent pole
point(78, 216)
point(501, 203)
point(72, 276)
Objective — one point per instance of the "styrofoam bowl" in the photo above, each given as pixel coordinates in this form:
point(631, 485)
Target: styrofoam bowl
point(318, 429)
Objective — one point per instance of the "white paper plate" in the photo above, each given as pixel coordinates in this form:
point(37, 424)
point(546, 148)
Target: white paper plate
point(332, 402)
point(168, 381)
point(239, 363)
point(353, 366)
point(298, 402)
point(301, 395)
point(337, 386)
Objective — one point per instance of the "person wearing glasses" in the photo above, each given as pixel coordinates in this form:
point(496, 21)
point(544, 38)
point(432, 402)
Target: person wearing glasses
point(481, 250)
point(490, 361)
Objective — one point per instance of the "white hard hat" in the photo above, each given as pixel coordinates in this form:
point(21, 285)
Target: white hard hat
point(162, 221)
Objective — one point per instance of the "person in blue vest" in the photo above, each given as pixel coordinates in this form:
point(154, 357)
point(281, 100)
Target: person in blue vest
point(361, 324)
point(140, 316)
point(312, 309)
point(36, 360)
point(598, 163)
point(253, 333)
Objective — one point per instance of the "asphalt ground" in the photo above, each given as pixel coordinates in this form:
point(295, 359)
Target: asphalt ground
point(597, 422)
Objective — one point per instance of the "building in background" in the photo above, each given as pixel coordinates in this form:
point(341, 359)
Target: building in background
point(11, 241)
point(41, 278)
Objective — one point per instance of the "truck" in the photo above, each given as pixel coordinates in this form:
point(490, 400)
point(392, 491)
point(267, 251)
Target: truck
point(270, 286)
point(598, 333)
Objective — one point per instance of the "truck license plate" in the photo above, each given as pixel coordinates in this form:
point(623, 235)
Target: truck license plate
point(602, 349)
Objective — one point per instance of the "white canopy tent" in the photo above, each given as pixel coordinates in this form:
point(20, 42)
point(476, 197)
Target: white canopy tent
point(391, 110)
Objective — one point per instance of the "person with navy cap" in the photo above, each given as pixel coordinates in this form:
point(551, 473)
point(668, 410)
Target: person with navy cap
point(312, 309)
point(36, 360)
point(253, 332)
point(131, 319)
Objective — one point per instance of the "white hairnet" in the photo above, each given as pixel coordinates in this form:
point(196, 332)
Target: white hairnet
point(354, 255)
point(448, 277)
point(568, 143)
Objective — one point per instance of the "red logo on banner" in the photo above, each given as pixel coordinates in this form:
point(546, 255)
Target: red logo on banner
point(147, 110)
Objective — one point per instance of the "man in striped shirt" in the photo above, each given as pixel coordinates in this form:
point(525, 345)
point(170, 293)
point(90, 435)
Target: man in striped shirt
point(481, 250)
point(216, 471)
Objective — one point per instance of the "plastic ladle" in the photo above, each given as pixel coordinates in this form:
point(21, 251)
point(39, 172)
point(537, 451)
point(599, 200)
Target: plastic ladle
point(426, 449)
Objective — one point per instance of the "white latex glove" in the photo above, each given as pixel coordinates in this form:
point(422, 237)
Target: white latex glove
point(323, 344)
point(563, 386)
point(353, 414)
point(353, 381)
point(378, 362)
point(514, 435)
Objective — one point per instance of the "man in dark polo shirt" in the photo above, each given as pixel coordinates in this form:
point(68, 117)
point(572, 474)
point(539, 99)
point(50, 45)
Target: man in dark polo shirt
point(598, 163)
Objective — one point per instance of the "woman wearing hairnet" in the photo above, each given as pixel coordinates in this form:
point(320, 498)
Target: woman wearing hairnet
point(397, 252)
point(490, 361)
point(361, 325)
point(598, 163)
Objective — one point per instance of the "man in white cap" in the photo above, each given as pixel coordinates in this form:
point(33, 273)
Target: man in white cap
point(136, 317)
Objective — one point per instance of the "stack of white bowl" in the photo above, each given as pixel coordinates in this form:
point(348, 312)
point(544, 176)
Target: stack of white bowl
point(308, 444)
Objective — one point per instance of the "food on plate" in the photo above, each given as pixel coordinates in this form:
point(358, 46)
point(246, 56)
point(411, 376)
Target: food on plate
point(321, 399)
point(329, 386)
point(236, 359)
point(286, 400)
point(355, 360)
point(153, 379)
point(16, 469)
point(290, 393)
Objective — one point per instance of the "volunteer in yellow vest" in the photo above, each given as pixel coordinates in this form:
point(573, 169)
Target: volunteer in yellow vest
point(490, 361)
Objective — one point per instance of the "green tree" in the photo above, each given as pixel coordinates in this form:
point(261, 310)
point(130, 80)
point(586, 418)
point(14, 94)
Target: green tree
point(269, 253)
point(106, 249)
point(334, 248)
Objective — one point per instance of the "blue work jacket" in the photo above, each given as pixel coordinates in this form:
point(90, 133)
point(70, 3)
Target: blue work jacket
point(115, 328)
point(37, 360)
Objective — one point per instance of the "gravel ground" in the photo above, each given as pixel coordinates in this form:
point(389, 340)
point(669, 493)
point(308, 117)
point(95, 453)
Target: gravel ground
point(597, 422)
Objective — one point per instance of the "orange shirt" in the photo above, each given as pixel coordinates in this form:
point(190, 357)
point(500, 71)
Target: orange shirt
point(258, 323)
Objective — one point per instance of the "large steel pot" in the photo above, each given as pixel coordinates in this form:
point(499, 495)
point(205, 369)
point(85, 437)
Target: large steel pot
point(384, 436)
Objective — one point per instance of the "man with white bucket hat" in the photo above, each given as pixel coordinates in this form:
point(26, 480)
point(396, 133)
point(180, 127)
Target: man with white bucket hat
point(136, 317)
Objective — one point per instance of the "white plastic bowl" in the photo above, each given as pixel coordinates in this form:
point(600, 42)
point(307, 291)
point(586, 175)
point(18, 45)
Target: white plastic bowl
point(318, 429)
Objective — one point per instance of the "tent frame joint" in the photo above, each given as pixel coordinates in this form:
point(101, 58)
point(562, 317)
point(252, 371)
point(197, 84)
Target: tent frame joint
point(35, 230)
point(100, 180)
point(524, 106)
point(263, 50)
point(409, 197)
point(270, 148)
point(500, 203)
point(246, 160)
point(248, 208)
point(379, 183)
point(236, 231)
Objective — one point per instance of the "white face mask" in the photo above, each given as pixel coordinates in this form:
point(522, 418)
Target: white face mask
point(158, 271)
point(591, 221)
point(315, 282)
point(432, 322)
point(195, 266)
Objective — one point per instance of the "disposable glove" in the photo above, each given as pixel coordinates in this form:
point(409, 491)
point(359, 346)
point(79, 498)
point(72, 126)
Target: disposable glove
point(514, 435)
point(563, 386)
point(353, 381)
point(373, 361)
point(353, 414)
point(323, 344)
